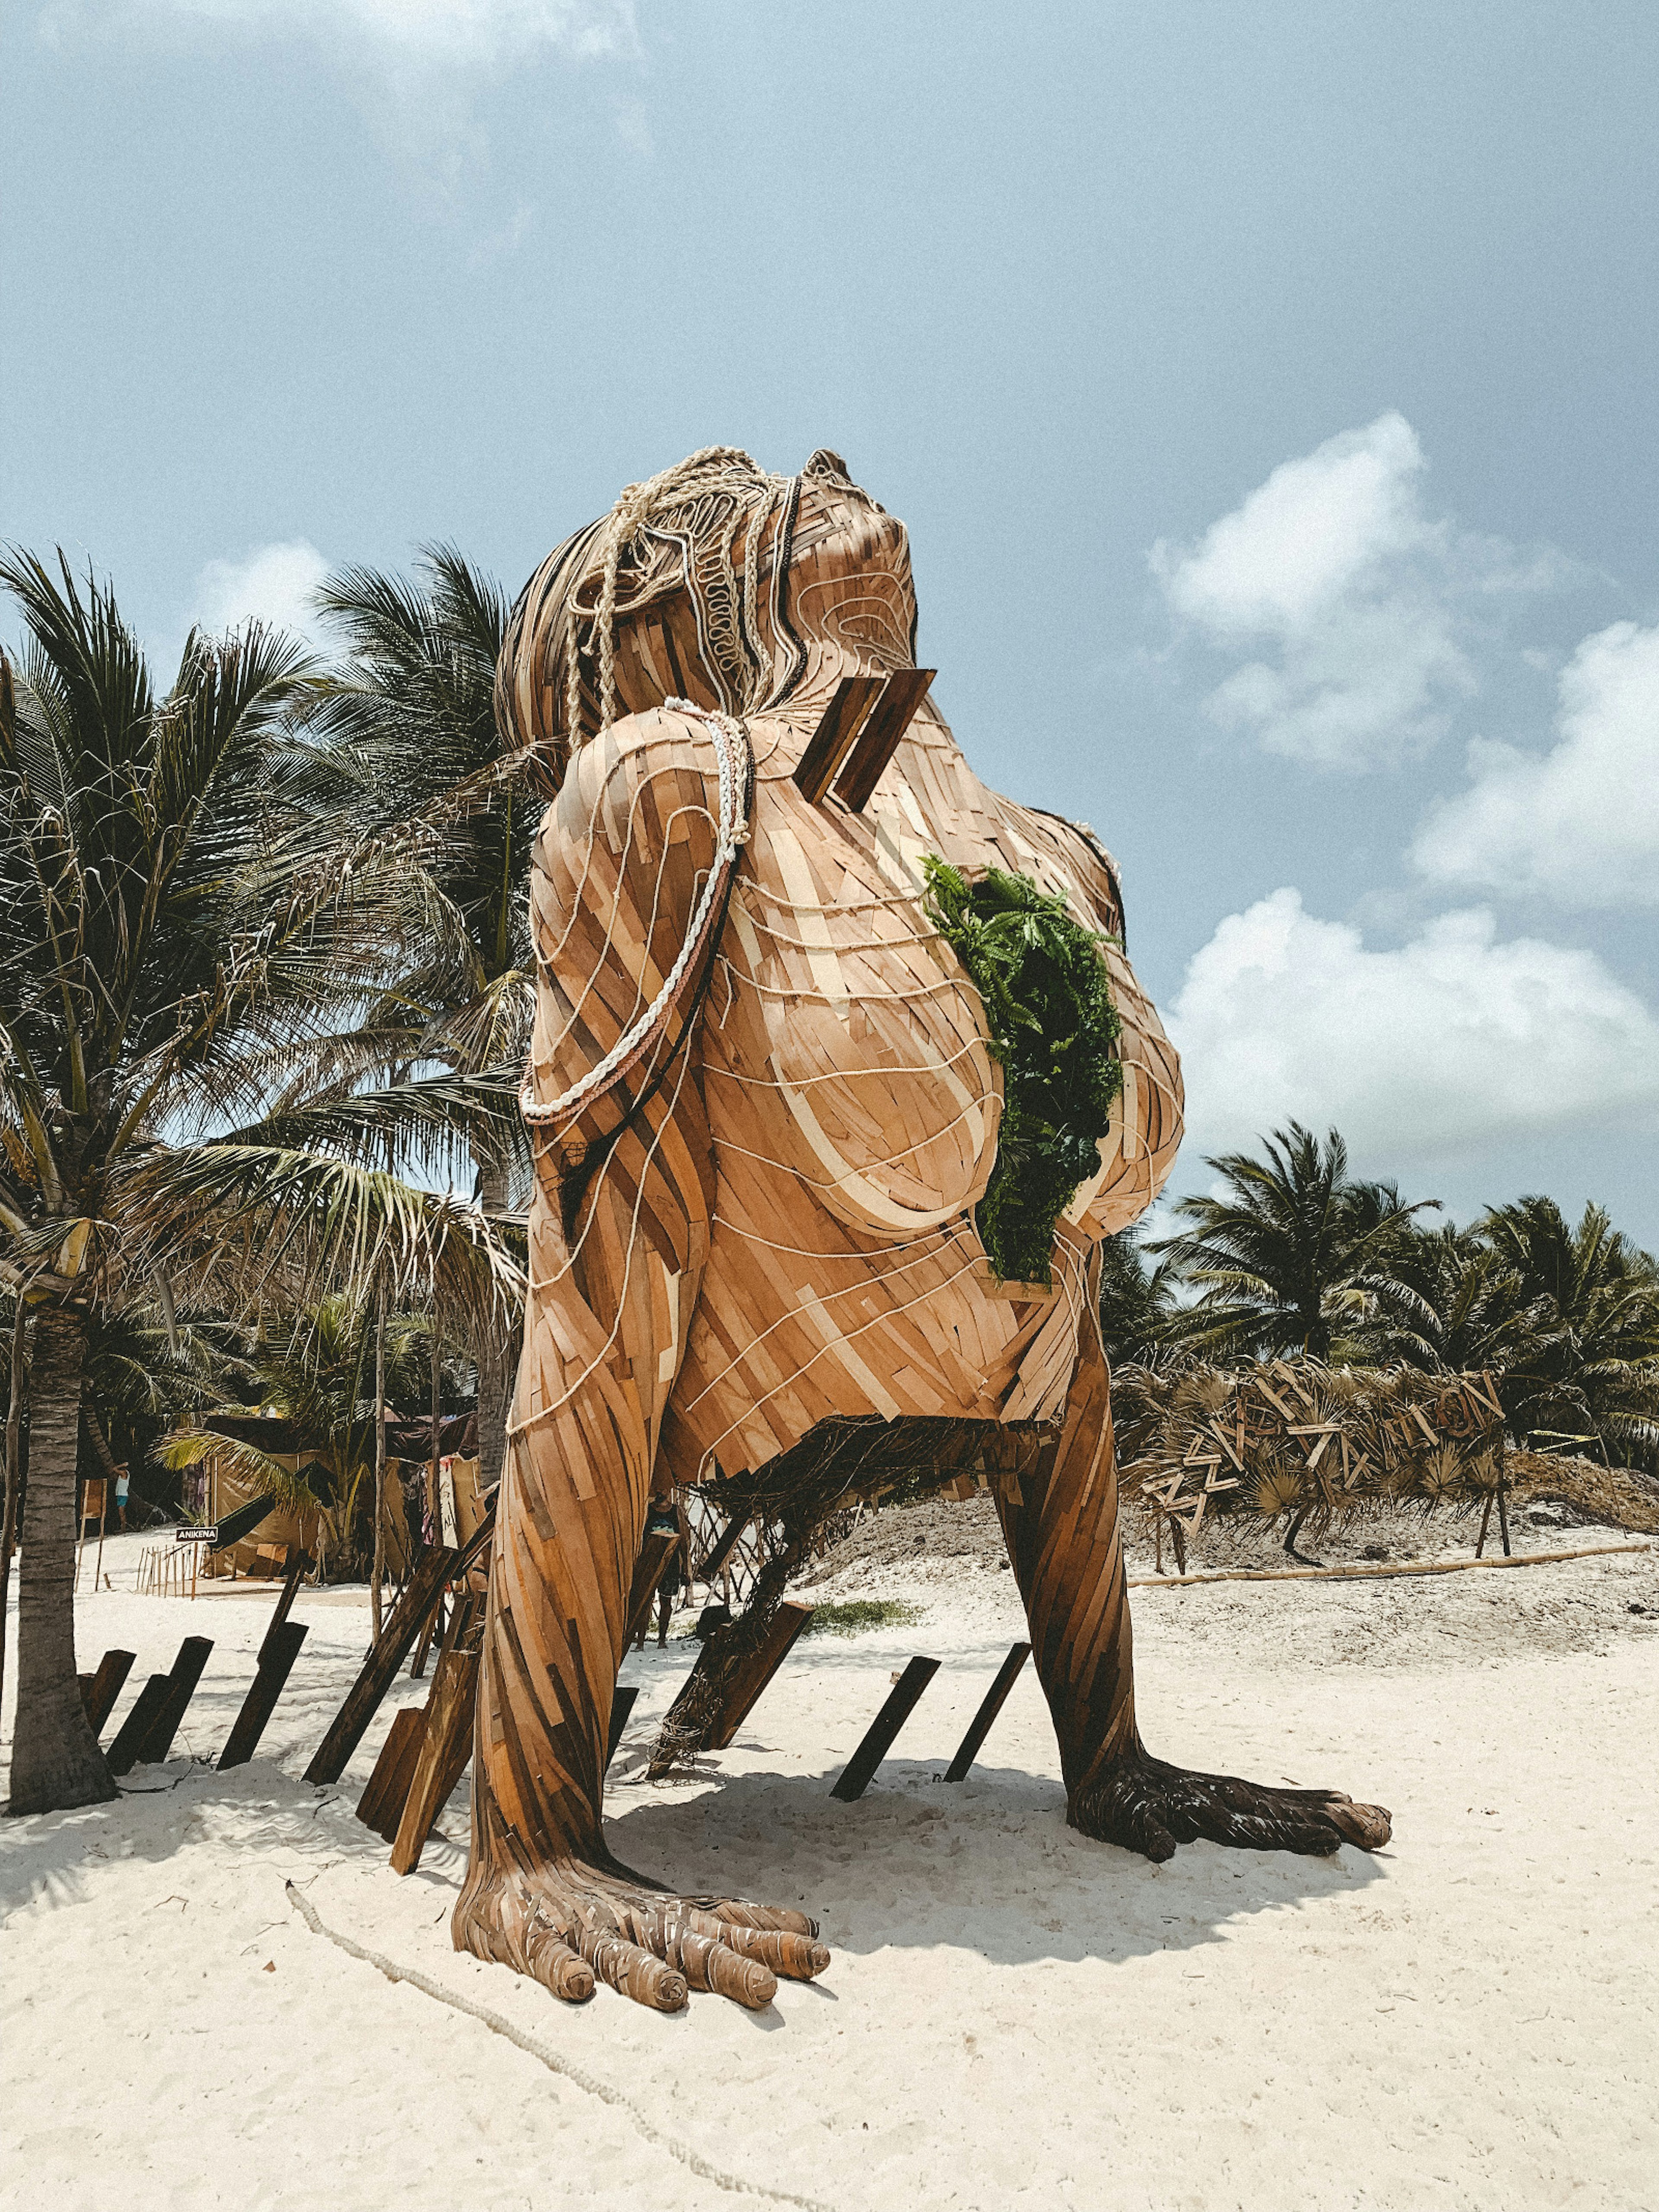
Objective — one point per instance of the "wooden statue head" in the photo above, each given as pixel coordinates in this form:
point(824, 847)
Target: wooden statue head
point(716, 582)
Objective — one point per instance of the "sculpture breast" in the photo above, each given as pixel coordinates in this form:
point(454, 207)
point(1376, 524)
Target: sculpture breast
point(842, 1036)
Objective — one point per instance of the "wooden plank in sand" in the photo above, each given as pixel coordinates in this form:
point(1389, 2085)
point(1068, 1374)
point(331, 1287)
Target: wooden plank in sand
point(649, 1568)
point(751, 1674)
point(277, 1654)
point(99, 1691)
point(445, 1740)
point(409, 1615)
point(856, 1775)
point(386, 1791)
point(123, 1754)
point(995, 1698)
point(181, 1688)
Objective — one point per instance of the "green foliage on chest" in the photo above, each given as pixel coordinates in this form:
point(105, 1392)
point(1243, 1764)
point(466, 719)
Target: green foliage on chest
point(1054, 1028)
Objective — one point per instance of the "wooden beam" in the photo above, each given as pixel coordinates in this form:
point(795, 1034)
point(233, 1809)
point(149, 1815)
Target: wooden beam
point(424, 1589)
point(834, 737)
point(723, 1546)
point(299, 1564)
point(123, 1754)
point(181, 1688)
point(622, 1705)
point(102, 1689)
point(903, 693)
point(386, 1791)
point(995, 1698)
point(752, 1674)
point(649, 1570)
point(856, 1775)
point(445, 1741)
point(276, 1656)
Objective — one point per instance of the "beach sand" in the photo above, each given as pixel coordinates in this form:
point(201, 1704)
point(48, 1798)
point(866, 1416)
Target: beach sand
point(1013, 2017)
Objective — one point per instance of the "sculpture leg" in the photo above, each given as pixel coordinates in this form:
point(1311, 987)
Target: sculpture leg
point(1066, 1553)
point(543, 1894)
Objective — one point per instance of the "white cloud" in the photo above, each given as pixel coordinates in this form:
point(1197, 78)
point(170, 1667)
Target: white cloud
point(1354, 597)
point(1581, 824)
point(275, 582)
point(487, 33)
point(1451, 1041)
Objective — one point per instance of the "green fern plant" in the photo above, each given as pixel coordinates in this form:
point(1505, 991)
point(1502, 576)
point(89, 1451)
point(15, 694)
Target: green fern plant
point(1054, 1028)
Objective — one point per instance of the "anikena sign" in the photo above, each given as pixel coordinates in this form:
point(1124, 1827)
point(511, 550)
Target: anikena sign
point(208, 1535)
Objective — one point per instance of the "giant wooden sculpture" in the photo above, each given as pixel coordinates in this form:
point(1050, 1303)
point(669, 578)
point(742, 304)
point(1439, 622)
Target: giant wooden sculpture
point(765, 1106)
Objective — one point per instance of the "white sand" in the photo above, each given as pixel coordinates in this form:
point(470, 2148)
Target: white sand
point(1014, 2017)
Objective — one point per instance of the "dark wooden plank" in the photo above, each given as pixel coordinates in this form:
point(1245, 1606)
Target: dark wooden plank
point(123, 1754)
point(103, 1688)
point(722, 1549)
point(386, 1791)
point(276, 1656)
point(299, 1564)
point(621, 1704)
point(752, 1674)
point(995, 1698)
point(891, 716)
point(901, 1704)
point(836, 734)
point(650, 1568)
point(181, 1688)
point(445, 1746)
point(407, 1618)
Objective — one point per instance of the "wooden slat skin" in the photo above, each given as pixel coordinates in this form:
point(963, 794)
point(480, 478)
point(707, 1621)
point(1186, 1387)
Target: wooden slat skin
point(878, 740)
point(995, 1698)
point(102, 1688)
point(123, 1754)
point(833, 739)
point(901, 1700)
point(768, 1223)
point(277, 1654)
point(787, 1625)
point(181, 1687)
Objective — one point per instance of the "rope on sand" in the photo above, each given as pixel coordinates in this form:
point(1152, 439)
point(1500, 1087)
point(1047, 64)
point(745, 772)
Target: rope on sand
point(1393, 1567)
point(589, 2083)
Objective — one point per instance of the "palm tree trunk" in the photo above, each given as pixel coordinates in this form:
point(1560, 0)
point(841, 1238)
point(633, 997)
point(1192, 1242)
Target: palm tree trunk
point(380, 1463)
point(14, 1469)
point(55, 1759)
point(497, 1361)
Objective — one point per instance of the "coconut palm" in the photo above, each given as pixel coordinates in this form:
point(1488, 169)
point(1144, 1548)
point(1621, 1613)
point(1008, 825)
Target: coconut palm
point(1591, 1373)
point(316, 1368)
point(401, 746)
point(1140, 1314)
point(1451, 1303)
point(1293, 1255)
point(154, 962)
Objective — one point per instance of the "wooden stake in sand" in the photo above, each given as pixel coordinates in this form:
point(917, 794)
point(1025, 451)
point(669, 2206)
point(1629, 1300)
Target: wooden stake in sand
point(102, 1689)
point(753, 1673)
point(181, 1687)
point(277, 1654)
point(856, 1775)
point(995, 1698)
point(123, 1754)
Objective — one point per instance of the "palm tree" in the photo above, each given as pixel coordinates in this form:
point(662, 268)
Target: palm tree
point(402, 746)
point(1295, 1249)
point(1592, 1372)
point(1140, 1314)
point(153, 962)
point(1450, 1304)
point(316, 1370)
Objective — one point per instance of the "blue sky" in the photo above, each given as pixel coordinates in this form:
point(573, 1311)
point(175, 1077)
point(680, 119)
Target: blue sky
point(1269, 392)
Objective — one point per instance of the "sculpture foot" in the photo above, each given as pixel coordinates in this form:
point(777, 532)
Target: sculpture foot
point(1149, 1806)
point(568, 1925)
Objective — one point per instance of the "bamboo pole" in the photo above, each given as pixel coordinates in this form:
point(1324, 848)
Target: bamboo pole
point(1392, 1567)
